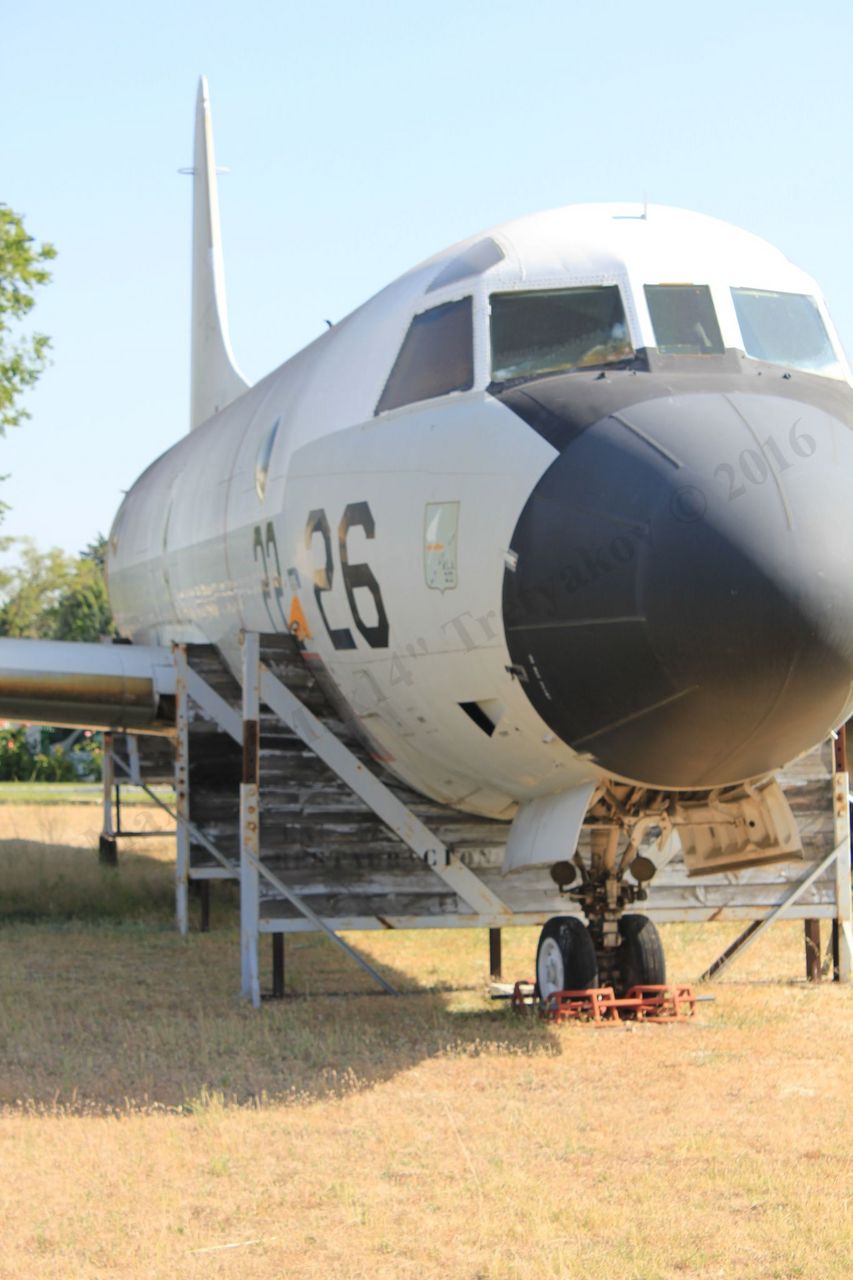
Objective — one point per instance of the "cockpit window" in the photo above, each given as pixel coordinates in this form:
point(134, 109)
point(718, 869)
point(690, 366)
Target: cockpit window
point(437, 357)
point(784, 328)
point(684, 319)
point(553, 330)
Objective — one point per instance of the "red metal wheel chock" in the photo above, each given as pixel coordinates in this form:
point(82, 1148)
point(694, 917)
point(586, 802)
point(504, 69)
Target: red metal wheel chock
point(600, 1006)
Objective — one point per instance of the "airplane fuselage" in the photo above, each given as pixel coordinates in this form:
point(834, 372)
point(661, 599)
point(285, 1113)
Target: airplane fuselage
point(528, 557)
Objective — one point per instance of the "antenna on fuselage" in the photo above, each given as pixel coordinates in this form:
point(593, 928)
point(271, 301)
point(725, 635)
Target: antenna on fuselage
point(634, 217)
point(215, 378)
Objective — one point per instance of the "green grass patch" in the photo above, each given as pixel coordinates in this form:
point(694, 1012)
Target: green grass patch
point(75, 793)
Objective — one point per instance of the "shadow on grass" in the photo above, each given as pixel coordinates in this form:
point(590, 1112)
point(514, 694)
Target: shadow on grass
point(104, 1009)
point(42, 882)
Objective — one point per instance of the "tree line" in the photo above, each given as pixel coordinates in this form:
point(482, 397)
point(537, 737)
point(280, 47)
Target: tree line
point(49, 595)
point(45, 595)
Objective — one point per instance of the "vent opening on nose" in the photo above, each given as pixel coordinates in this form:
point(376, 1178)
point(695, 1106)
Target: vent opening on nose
point(484, 714)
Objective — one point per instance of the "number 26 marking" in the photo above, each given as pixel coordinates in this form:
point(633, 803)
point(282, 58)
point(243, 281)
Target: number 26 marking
point(357, 515)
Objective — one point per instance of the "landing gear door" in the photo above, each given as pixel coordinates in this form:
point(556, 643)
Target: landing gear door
point(748, 826)
point(546, 830)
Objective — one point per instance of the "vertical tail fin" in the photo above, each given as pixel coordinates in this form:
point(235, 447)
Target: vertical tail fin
point(216, 380)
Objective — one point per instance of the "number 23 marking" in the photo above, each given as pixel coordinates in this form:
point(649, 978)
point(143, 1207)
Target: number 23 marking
point(357, 515)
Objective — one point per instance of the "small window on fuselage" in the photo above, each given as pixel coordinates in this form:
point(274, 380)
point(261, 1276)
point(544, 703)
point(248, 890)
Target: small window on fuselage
point(684, 319)
point(542, 331)
point(437, 357)
point(784, 328)
point(262, 461)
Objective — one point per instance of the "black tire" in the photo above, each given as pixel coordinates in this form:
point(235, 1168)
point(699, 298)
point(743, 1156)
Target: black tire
point(565, 957)
point(641, 958)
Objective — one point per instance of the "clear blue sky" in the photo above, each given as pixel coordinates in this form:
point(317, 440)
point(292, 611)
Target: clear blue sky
point(362, 137)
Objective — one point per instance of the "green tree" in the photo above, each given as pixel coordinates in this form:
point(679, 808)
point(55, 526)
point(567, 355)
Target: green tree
point(49, 595)
point(25, 760)
point(82, 611)
point(22, 269)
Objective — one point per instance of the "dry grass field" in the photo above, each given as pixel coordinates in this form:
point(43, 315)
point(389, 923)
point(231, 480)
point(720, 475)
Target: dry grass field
point(151, 1126)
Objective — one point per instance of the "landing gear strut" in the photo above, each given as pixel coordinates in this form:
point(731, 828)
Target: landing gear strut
point(626, 948)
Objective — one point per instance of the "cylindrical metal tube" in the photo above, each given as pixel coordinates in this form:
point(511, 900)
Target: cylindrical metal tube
point(93, 686)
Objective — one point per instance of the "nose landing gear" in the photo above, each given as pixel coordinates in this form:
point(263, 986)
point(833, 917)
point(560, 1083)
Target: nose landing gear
point(568, 959)
point(613, 949)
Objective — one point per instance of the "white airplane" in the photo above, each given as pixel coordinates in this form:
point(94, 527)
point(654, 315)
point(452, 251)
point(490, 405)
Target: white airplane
point(561, 515)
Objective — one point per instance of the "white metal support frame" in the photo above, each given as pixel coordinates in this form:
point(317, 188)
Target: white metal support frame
point(133, 759)
point(757, 927)
point(108, 782)
point(259, 684)
point(250, 844)
point(226, 716)
point(840, 857)
point(182, 790)
point(843, 899)
point(251, 865)
point(225, 870)
point(191, 685)
point(250, 901)
point(317, 921)
point(484, 907)
point(381, 799)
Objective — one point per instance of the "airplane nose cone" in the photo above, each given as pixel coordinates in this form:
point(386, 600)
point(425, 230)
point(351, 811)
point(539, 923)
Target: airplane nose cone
point(681, 610)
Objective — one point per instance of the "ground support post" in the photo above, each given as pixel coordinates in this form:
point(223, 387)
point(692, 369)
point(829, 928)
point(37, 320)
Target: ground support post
point(182, 750)
point(495, 959)
point(842, 936)
point(811, 935)
point(277, 966)
point(107, 843)
point(204, 906)
point(250, 987)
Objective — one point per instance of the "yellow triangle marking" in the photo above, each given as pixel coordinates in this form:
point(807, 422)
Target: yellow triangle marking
point(297, 621)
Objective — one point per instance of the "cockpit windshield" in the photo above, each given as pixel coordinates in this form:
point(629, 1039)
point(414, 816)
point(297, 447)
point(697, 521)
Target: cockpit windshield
point(684, 319)
point(784, 328)
point(544, 331)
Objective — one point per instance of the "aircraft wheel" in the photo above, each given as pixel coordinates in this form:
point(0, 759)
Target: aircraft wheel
point(565, 957)
point(641, 958)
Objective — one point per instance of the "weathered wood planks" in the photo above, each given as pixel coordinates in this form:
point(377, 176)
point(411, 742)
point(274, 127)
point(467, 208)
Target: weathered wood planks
point(325, 844)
